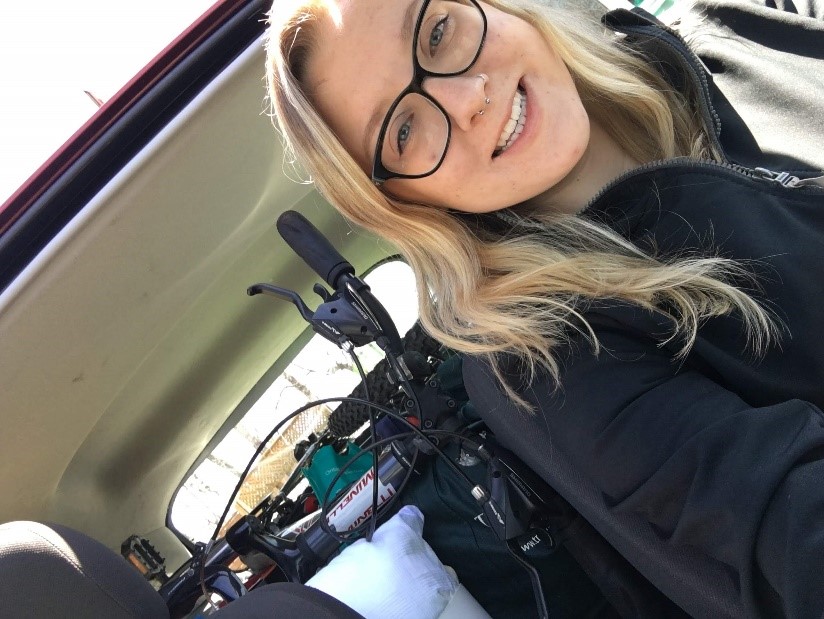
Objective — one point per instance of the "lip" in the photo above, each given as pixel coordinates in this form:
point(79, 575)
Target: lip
point(526, 134)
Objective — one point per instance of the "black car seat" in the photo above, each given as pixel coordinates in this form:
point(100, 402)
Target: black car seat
point(52, 571)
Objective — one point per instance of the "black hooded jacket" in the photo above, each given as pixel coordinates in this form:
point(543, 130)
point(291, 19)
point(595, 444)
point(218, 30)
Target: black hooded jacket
point(707, 474)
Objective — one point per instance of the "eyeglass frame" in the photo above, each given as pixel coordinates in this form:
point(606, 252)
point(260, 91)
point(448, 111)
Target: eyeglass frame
point(381, 174)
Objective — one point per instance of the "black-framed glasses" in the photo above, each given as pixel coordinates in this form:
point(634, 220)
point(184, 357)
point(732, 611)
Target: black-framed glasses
point(414, 136)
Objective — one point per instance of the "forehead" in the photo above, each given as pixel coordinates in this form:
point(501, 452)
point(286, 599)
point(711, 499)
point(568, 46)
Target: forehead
point(359, 64)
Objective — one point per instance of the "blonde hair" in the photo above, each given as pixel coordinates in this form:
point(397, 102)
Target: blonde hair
point(541, 274)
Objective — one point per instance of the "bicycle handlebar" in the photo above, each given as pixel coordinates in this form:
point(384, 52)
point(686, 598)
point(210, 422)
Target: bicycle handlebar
point(314, 248)
point(300, 547)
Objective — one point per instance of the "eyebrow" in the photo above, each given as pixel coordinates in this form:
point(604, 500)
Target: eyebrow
point(407, 25)
point(408, 22)
point(368, 142)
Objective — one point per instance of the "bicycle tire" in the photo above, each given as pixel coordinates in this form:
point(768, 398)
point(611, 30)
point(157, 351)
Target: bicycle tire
point(350, 416)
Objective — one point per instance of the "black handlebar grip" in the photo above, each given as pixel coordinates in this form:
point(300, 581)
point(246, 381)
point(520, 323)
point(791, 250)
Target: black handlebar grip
point(314, 248)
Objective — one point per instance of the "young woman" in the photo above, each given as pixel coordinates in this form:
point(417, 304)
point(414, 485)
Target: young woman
point(639, 310)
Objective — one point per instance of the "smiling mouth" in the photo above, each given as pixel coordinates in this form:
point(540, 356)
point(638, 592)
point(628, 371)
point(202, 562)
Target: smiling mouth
point(515, 125)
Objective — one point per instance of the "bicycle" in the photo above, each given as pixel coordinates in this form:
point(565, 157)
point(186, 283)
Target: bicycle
point(280, 541)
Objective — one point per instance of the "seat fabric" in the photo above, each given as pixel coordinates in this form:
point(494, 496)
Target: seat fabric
point(57, 572)
point(49, 571)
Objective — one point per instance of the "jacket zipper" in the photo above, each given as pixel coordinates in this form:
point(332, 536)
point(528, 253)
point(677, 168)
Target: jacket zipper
point(711, 119)
point(785, 179)
point(788, 180)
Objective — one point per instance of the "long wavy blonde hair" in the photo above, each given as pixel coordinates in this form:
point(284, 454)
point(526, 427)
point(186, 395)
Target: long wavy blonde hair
point(523, 291)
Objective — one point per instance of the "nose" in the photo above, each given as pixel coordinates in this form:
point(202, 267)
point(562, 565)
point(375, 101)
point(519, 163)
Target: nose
point(462, 96)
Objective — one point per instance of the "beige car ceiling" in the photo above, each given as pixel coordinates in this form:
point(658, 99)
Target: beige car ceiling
point(129, 341)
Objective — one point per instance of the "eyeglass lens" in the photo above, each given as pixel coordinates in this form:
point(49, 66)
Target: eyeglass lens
point(448, 40)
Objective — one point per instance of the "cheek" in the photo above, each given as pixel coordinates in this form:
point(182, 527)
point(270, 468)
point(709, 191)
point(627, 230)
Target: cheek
point(438, 191)
point(579, 128)
point(573, 130)
point(457, 193)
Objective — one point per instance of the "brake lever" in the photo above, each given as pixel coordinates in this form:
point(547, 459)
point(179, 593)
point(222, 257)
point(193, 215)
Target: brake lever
point(285, 294)
point(373, 321)
point(388, 338)
point(337, 319)
point(520, 510)
point(516, 551)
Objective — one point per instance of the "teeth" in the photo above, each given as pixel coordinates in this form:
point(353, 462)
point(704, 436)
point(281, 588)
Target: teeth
point(515, 124)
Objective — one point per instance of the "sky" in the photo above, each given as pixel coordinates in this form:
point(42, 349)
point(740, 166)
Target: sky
point(50, 52)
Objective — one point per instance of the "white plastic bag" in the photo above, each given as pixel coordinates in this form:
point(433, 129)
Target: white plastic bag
point(395, 575)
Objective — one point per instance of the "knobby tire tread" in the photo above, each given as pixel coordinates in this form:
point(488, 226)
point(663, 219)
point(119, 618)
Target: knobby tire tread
point(350, 416)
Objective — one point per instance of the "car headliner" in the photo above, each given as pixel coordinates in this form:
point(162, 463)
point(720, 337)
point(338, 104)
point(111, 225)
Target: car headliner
point(128, 342)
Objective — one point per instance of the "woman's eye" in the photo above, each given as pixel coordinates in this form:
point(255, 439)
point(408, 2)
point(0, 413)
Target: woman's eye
point(436, 35)
point(404, 132)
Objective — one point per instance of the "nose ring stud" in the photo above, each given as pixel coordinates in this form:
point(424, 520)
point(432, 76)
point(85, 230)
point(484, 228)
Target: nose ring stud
point(486, 102)
point(484, 78)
